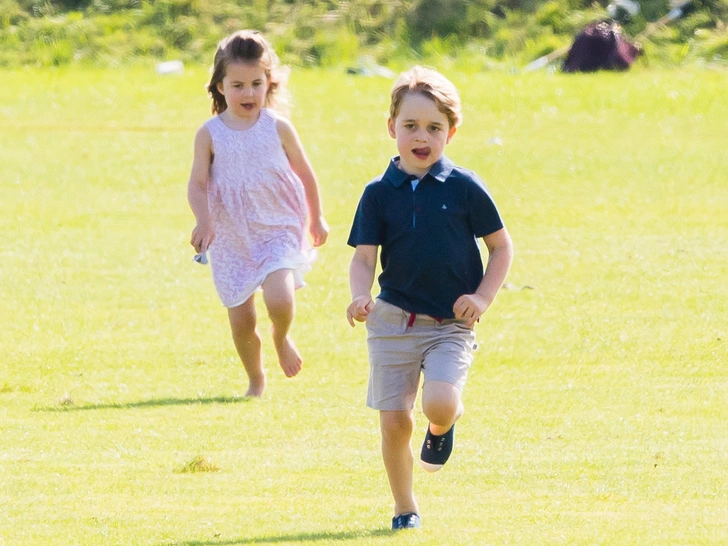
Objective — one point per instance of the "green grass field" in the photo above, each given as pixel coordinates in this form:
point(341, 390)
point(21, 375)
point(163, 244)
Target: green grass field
point(597, 407)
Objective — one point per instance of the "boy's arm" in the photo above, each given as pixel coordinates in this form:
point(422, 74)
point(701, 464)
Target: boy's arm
point(303, 169)
point(204, 232)
point(361, 279)
point(500, 255)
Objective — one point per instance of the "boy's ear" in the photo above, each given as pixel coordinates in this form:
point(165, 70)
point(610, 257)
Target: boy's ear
point(219, 87)
point(450, 134)
point(390, 127)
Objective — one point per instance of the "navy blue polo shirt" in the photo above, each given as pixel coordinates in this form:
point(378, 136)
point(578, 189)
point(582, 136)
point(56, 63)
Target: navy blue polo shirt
point(429, 235)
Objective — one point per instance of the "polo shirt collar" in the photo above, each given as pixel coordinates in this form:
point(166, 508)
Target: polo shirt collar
point(439, 171)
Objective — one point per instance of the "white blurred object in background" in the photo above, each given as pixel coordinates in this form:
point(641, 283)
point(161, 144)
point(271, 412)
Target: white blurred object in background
point(170, 67)
point(632, 8)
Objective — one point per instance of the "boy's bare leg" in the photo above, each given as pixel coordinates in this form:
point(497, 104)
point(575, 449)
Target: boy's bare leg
point(441, 405)
point(247, 342)
point(396, 429)
point(278, 295)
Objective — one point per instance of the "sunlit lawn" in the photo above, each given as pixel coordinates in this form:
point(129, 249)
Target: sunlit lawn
point(597, 408)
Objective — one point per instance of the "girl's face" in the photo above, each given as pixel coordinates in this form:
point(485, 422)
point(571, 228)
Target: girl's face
point(421, 131)
point(244, 87)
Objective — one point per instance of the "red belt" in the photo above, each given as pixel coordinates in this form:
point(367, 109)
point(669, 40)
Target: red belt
point(413, 316)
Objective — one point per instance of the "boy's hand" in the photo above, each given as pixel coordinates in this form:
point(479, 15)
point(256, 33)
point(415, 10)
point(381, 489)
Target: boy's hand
point(359, 309)
point(319, 230)
point(469, 307)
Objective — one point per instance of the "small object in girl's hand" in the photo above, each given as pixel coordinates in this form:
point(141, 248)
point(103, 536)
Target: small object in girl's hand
point(201, 258)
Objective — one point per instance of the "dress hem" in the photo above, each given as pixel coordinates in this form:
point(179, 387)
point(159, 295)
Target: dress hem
point(299, 265)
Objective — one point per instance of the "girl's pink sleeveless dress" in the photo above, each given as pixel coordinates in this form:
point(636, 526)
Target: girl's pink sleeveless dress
point(258, 206)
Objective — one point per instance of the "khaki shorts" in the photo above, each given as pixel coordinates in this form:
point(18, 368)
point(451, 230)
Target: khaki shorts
point(399, 348)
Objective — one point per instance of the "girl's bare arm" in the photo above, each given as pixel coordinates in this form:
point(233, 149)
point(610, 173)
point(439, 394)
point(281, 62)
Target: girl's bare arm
point(303, 169)
point(204, 232)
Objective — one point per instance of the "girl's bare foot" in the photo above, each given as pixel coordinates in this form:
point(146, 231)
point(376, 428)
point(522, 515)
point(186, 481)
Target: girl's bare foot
point(256, 386)
point(288, 357)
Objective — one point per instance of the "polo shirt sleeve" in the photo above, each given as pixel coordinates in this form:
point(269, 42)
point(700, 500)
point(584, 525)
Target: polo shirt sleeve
point(483, 215)
point(367, 226)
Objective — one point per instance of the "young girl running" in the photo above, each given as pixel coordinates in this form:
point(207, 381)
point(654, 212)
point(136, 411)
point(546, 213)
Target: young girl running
point(253, 193)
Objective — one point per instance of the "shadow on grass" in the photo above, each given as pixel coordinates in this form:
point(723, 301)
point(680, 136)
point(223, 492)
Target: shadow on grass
point(301, 537)
point(153, 403)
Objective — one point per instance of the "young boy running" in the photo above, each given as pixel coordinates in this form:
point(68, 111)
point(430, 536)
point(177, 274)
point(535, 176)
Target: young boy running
point(427, 215)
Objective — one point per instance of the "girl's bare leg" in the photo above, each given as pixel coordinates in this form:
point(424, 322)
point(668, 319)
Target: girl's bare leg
point(398, 459)
point(278, 295)
point(247, 342)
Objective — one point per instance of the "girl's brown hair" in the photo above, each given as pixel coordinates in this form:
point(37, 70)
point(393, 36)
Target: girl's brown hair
point(248, 46)
point(431, 84)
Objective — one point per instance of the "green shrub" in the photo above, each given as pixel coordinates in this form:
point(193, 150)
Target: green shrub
point(713, 45)
point(695, 21)
point(432, 19)
point(148, 44)
point(553, 15)
point(11, 14)
point(332, 49)
point(51, 52)
point(537, 47)
point(331, 33)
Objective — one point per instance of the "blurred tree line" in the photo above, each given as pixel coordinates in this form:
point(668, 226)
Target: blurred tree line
point(481, 34)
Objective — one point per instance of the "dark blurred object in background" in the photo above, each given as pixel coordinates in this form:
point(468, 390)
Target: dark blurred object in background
point(601, 46)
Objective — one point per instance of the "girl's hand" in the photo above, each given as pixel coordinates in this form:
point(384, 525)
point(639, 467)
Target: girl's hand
point(319, 230)
point(359, 309)
point(469, 307)
point(202, 237)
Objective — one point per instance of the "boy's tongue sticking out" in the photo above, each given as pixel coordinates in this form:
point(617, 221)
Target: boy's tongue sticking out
point(421, 153)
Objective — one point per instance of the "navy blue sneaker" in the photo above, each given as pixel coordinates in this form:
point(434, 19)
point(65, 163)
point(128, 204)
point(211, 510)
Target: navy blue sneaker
point(406, 521)
point(436, 449)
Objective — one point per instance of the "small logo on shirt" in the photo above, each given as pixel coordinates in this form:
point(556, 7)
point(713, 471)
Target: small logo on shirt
point(444, 207)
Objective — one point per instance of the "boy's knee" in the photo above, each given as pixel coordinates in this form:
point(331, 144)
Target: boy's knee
point(441, 414)
point(396, 424)
point(441, 403)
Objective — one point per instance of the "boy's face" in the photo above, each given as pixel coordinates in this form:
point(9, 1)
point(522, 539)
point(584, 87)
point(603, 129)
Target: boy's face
point(421, 131)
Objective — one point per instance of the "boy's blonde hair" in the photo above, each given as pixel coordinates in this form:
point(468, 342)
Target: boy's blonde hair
point(431, 84)
point(249, 46)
